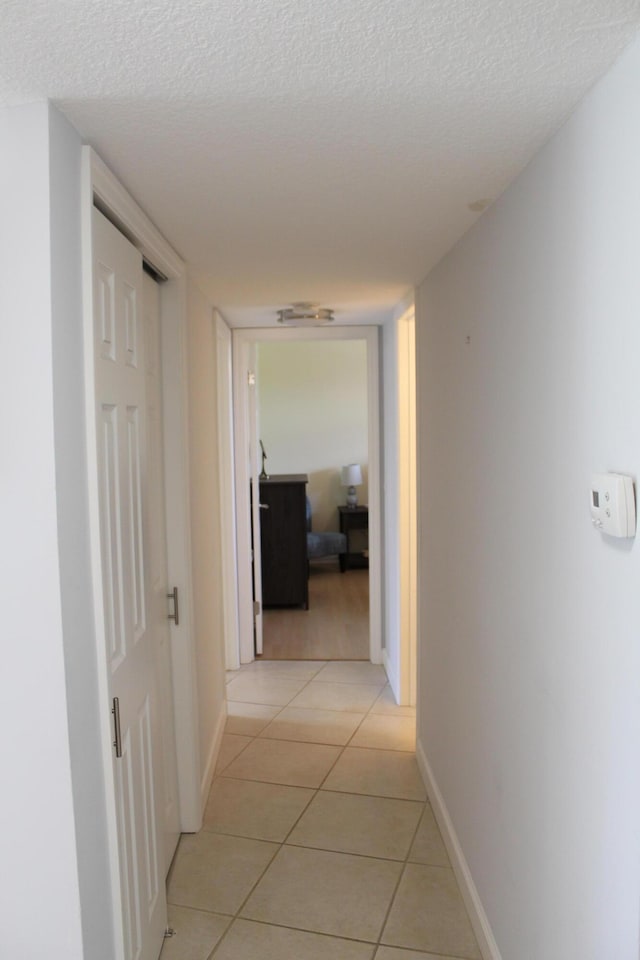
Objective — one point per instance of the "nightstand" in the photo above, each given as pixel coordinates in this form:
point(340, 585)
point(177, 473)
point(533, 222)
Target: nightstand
point(354, 523)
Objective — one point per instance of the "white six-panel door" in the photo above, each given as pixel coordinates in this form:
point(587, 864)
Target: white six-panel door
point(121, 415)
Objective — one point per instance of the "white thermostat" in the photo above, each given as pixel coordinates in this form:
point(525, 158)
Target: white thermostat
point(613, 504)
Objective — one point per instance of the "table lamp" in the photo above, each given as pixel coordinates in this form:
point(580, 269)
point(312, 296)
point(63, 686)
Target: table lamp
point(352, 478)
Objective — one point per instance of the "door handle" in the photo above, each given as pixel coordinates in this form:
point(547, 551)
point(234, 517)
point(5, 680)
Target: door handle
point(115, 710)
point(263, 506)
point(175, 616)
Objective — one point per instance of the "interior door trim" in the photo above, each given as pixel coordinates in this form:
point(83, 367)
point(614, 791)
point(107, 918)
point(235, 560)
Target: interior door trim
point(242, 339)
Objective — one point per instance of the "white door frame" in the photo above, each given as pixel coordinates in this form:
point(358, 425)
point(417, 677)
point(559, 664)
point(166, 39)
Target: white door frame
point(242, 341)
point(407, 506)
point(100, 187)
point(224, 388)
point(250, 398)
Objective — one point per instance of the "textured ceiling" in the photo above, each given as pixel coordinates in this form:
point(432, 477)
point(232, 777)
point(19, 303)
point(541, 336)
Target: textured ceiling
point(319, 150)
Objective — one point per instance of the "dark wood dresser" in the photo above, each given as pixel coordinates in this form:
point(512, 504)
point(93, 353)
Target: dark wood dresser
point(283, 534)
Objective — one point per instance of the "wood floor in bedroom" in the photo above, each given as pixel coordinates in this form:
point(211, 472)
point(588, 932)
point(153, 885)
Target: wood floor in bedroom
point(336, 625)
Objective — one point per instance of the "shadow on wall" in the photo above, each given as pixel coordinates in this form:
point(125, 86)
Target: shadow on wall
point(326, 494)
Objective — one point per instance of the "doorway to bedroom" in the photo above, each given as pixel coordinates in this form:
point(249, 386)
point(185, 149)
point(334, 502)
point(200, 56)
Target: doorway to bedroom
point(312, 421)
point(311, 397)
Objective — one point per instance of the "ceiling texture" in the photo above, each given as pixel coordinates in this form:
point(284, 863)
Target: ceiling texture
point(319, 150)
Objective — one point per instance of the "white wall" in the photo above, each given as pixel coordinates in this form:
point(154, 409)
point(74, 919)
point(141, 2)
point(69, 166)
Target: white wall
point(205, 528)
point(529, 706)
point(312, 399)
point(39, 245)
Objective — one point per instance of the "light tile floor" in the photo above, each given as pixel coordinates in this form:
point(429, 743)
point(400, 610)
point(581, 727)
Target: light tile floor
point(318, 841)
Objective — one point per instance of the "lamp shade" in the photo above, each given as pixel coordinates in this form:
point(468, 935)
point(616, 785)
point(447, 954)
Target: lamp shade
point(351, 475)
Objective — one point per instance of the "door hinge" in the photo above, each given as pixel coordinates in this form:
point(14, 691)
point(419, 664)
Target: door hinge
point(251, 378)
point(256, 608)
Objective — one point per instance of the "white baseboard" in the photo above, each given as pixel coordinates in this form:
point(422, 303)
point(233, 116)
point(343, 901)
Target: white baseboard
point(212, 759)
point(479, 920)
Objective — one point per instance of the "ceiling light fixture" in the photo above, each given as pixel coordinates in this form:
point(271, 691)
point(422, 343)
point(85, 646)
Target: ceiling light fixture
point(305, 314)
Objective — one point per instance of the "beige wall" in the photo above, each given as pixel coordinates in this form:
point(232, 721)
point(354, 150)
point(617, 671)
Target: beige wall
point(205, 527)
point(312, 409)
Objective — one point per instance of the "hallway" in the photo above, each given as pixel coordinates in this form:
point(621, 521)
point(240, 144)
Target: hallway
point(318, 842)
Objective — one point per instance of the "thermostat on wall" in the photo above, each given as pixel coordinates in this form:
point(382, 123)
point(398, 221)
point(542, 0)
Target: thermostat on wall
point(613, 505)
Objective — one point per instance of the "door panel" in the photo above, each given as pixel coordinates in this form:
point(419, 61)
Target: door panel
point(111, 537)
point(122, 473)
point(149, 826)
point(134, 498)
point(125, 806)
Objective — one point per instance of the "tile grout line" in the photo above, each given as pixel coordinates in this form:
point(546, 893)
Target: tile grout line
point(316, 933)
point(296, 786)
point(400, 876)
